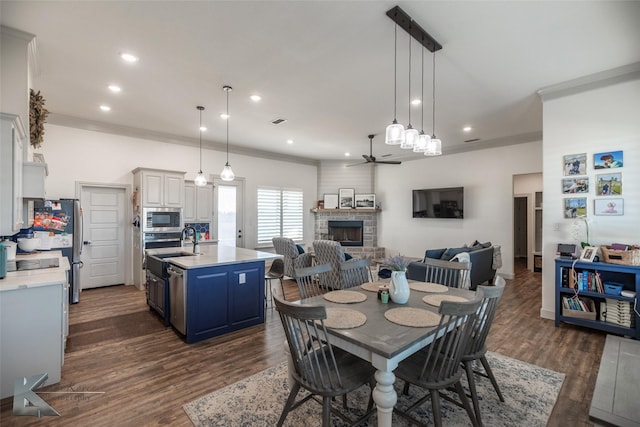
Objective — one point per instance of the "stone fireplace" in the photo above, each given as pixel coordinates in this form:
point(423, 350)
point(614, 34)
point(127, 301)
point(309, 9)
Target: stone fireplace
point(356, 230)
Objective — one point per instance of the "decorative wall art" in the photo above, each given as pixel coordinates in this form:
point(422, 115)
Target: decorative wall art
point(608, 207)
point(609, 184)
point(575, 185)
point(575, 164)
point(330, 201)
point(346, 198)
point(365, 201)
point(575, 207)
point(608, 160)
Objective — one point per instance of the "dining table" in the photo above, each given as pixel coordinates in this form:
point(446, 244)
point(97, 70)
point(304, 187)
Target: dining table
point(380, 341)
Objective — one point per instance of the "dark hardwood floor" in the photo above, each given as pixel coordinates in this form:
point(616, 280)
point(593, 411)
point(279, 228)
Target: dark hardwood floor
point(146, 373)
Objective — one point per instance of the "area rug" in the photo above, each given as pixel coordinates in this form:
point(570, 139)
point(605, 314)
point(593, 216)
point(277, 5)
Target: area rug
point(530, 393)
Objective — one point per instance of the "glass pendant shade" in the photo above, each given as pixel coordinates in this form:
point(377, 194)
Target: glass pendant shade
point(227, 174)
point(410, 138)
point(421, 145)
point(395, 134)
point(200, 180)
point(434, 147)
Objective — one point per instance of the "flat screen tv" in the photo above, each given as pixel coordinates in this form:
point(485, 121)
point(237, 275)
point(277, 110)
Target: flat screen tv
point(439, 203)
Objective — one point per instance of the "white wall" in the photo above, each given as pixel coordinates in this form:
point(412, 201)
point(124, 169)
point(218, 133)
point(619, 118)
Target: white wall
point(594, 121)
point(487, 178)
point(80, 155)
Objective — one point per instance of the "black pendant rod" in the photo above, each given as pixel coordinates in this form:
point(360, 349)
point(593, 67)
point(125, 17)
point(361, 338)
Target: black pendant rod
point(401, 18)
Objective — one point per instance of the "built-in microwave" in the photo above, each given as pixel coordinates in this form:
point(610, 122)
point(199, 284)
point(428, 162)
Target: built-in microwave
point(162, 219)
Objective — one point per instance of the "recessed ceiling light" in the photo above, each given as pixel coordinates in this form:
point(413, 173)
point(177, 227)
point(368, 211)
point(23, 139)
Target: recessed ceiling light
point(203, 128)
point(255, 98)
point(115, 88)
point(128, 57)
point(105, 108)
point(467, 128)
point(224, 116)
point(347, 154)
point(416, 102)
point(289, 141)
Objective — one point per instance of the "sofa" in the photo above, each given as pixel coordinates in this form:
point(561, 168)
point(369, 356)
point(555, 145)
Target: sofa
point(484, 257)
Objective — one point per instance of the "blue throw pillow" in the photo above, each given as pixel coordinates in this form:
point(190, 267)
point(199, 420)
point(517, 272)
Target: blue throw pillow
point(300, 249)
point(347, 257)
point(451, 252)
point(434, 253)
point(384, 273)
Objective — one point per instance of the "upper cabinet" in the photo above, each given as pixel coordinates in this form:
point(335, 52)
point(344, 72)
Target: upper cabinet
point(12, 139)
point(198, 203)
point(159, 188)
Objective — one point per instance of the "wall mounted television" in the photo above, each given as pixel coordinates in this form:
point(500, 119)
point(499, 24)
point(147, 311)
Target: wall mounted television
point(439, 203)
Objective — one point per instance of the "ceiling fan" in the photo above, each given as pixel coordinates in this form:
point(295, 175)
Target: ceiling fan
point(371, 159)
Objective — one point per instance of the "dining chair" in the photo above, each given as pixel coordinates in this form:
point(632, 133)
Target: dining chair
point(331, 252)
point(308, 280)
point(476, 348)
point(357, 271)
point(447, 273)
point(438, 366)
point(276, 271)
point(320, 368)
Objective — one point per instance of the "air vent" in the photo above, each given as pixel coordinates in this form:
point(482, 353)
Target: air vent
point(472, 140)
point(278, 121)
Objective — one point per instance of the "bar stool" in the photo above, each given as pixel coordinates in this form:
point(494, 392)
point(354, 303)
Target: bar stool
point(276, 271)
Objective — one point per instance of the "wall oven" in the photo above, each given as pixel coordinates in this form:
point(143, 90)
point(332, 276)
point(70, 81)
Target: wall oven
point(162, 220)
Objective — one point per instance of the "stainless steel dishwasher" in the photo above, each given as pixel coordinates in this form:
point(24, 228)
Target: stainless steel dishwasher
point(178, 298)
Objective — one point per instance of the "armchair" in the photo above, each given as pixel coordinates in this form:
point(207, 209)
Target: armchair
point(291, 257)
point(340, 276)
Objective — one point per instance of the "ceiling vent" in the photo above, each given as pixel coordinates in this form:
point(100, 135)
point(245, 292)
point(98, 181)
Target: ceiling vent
point(472, 140)
point(278, 121)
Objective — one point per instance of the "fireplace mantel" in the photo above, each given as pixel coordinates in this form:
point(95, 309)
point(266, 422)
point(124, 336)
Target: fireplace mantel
point(345, 211)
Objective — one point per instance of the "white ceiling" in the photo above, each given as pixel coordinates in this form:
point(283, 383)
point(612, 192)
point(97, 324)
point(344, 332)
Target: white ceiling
point(324, 66)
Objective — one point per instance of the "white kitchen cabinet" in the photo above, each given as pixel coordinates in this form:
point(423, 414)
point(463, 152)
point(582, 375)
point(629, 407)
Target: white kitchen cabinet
point(198, 203)
point(12, 137)
point(33, 175)
point(159, 188)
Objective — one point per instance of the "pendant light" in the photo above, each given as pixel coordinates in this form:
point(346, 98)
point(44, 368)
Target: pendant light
point(423, 139)
point(410, 134)
point(227, 174)
point(434, 147)
point(395, 131)
point(200, 180)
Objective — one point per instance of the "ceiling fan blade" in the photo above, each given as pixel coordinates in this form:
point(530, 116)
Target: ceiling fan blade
point(358, 164)
point(389, 162)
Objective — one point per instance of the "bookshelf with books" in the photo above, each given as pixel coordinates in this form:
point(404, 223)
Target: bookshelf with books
point(589, 294)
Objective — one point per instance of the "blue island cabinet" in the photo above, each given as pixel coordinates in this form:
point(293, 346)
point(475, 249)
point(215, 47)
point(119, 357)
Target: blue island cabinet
point(223, 299)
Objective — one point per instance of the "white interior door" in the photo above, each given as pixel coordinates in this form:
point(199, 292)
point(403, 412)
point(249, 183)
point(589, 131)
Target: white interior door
point(103, 252)
point(228, 221)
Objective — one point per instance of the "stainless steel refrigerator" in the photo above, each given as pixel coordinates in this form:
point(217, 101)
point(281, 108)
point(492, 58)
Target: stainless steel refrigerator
point(58, 224)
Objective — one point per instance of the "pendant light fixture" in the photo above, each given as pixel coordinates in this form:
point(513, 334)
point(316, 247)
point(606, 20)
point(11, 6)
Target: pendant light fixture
point(434, 147)
point(227, 174)
point(395, 131)
point(410, 134)
point(200, 180)
point(423, 139)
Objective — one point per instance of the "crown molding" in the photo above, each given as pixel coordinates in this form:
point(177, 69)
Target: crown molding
point(593, 81)
point(96, 126)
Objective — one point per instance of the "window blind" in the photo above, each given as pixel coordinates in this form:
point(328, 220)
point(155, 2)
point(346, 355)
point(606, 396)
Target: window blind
point(280, 214)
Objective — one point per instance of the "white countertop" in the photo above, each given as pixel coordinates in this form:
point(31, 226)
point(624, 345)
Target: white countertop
point(212, 255)
point(35, 278)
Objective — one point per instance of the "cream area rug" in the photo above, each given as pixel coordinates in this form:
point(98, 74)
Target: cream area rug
point(530, 393)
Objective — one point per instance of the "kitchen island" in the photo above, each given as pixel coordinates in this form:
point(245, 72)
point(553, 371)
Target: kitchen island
point(216, 292)
point(34, 321)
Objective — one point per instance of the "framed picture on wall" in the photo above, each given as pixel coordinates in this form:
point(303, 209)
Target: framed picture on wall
point(575, 185)
point(346, 196)
point(331, 201)
point(608, 207)
point(365, 201)
point(575, 207)
point(608, 160)
point(609, 184)
point(575, 164)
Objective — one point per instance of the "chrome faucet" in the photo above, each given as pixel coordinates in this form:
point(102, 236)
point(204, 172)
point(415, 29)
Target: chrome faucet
point(196, 246)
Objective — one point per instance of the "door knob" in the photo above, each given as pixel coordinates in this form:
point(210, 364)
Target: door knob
point(87, 242)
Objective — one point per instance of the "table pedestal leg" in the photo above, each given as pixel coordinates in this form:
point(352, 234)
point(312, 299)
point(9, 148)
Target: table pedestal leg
point(385, 397)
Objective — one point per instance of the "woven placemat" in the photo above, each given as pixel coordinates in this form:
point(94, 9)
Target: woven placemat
point(415, 317)
point(345, 297)
point(344, 318)
point(374, 286)
point(428, 287)
point(437, 299)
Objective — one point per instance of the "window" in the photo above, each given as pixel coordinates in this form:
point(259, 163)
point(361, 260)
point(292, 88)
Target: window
point(280, 214)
